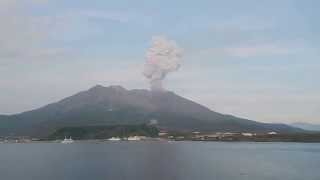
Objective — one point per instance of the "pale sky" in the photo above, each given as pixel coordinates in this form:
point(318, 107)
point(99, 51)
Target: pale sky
point(253, 59)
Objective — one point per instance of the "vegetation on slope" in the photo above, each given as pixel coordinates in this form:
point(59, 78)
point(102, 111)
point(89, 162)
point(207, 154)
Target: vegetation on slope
point(104, 132)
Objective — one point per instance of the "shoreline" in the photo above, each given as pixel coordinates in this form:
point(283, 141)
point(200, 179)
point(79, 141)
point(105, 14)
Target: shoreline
point(96, 141)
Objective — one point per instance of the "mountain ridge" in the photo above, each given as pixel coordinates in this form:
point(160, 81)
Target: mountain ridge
point(112, 105)
point(306, 126)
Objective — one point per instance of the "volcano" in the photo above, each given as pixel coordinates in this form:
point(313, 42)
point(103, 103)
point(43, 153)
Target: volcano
point(115, 105)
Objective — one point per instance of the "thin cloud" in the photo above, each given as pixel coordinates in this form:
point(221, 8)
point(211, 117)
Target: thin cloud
point(248, 51)
point(259, 50)
point(103, 15)
point(23, 36)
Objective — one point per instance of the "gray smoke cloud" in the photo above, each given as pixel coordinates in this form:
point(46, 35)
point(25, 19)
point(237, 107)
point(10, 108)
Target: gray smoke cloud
point(163, 57)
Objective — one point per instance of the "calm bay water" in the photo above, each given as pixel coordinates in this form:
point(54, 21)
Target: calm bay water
point(160, 161)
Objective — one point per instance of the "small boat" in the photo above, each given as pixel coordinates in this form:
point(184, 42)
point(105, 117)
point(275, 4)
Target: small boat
point(67, 141)
point(114, 139)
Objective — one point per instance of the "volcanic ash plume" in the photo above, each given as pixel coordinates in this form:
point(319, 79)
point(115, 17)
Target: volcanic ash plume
point(163, 57)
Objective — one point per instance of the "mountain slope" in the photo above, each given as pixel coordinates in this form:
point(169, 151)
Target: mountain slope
point(116, 105)
point(306, 126)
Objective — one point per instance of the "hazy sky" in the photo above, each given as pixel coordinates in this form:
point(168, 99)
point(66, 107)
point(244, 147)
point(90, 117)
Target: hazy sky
point(253, 59)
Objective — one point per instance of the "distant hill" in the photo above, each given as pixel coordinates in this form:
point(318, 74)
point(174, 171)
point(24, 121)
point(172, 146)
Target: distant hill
point(306, 126)
point(115, 105)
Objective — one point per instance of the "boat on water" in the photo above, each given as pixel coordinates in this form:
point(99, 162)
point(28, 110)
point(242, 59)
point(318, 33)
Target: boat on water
point(114, 139)
point(67, 141)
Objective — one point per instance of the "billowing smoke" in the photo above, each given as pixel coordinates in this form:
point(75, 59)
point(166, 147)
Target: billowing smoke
point(163, 57)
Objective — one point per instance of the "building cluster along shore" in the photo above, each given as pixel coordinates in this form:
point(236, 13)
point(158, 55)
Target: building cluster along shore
point(186, 136)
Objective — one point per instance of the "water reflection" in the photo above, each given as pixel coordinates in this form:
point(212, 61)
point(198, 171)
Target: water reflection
point(160, 161)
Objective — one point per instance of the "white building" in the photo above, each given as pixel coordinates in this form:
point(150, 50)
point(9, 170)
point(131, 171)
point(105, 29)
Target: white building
point(134, 138)
point(272, 133)
point(247, 134)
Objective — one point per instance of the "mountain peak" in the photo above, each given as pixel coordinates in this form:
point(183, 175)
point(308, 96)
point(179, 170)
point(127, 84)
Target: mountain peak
point(117, 87)
point(100, 87)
